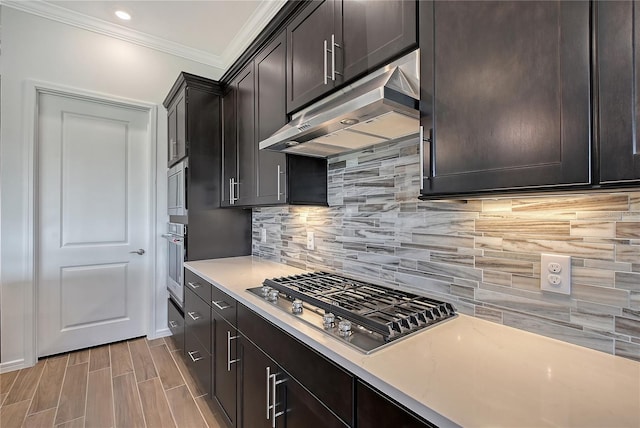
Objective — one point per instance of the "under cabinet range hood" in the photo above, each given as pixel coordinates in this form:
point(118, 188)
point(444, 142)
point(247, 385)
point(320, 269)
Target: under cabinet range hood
point(383, 106)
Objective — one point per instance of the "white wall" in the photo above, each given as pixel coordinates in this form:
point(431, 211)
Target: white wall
point(44, 50)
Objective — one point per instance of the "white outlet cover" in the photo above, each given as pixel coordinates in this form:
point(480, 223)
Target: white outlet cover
point(549, 273)
point(311, 242)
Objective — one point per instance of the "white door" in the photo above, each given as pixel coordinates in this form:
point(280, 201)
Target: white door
point(93, 213)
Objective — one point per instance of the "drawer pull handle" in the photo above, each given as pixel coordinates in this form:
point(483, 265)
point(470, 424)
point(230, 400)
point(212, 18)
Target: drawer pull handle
point(194, 316)
point(222, 308)
point(229, 360)
point(173, 324)
point(268, 381)
point(194, 285)
point(194, 359)
point(274, 415)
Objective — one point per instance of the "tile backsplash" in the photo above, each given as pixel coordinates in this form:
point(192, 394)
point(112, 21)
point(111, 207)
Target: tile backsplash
point(481, 255)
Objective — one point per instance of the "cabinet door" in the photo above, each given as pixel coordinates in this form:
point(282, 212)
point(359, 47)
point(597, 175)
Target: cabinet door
point(618, 64)
point(245, 123)
point(375, 32)
point(172, 148)
point(224, 366)
point(229, 147)
point(505, 92)
point(254, 384)
point(308, 62)
point(175, 320)
point(265, 384)
point(181, 125)
point(271, 115)
point(376, 411)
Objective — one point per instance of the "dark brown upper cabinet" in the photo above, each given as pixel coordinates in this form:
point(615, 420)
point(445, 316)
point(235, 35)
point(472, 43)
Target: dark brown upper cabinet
point(271, 115)
point(331, 42)
point(374, 32)
point(176, 118)
point(505, 94)
point(313, 54)
point(618, 79)
point(238, 174)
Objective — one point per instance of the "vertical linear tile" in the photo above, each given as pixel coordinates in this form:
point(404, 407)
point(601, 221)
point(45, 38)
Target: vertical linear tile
point(120, 359)
point(25, 384)
point(73, 394)
point(13, 415)
point(184, 408)
point(75, 423)
point(48, 390)
point(154, 404)
point(79, 357)
point(99, 411)
point(155, 342)
point(128, 410)
point(6, 381)
point(99, 358)
point(167, 369)
point(142, 362)
point(40, 420)
point(213, 419)
point(193, 386)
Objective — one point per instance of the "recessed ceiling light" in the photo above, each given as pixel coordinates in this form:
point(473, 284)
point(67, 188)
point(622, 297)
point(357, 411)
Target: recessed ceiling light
point(123, 15)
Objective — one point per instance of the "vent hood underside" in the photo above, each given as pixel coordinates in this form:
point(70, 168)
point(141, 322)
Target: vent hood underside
point(381, 107)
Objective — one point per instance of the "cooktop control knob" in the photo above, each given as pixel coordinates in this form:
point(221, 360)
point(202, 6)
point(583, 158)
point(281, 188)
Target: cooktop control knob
point(329, 320)
point(296, 306)
point(344, 328)
point(273, 295)
point(265, 290)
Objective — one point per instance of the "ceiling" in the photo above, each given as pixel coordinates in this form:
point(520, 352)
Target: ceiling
point(212, 32)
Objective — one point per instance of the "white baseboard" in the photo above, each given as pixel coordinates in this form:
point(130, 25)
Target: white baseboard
point(10, 366)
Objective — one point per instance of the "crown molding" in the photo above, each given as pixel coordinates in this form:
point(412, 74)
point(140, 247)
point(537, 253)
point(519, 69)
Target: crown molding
point(257, 21)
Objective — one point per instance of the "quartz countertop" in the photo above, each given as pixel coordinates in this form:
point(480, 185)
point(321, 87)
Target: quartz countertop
point(465, 371)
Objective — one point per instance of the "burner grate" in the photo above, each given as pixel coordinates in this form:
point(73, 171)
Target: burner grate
point(392, 313)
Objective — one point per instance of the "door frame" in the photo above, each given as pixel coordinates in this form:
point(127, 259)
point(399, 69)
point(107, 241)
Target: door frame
point(32, 90)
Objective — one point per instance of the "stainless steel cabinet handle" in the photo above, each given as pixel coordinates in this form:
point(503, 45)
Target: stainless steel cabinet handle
point(268, 381)
point(172, 148)
point(194, 285)
point(324, 52)
point(194, 315)
point(194, 359)
point(334, 45)
point(279, 172)
point(222, 308)
point(173, 324)
point(229, 360)
point(421, 154)
point(138, 252)
point(232, 190)
point(274, 415)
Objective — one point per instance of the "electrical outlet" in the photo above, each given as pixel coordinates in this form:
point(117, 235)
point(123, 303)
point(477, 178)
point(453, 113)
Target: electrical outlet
point(555, 273)
point(263, 234)
point(311, 241)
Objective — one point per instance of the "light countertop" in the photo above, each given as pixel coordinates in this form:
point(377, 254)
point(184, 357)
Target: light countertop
point(465, 371)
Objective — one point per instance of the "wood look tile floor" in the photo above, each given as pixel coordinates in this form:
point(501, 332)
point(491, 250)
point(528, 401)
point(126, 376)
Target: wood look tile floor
point(135, 383)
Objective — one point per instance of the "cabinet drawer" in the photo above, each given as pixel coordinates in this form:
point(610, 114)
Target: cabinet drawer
point(330, 383)
point(198, 362)
point(198, 285)
point(224, 305)
point(197, 318)
point(175, 321)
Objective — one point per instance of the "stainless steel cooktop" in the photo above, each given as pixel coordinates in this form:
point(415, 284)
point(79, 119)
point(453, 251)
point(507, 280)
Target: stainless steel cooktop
point(363, 315)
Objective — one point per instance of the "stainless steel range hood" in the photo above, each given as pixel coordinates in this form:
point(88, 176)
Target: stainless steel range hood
point(383, 106)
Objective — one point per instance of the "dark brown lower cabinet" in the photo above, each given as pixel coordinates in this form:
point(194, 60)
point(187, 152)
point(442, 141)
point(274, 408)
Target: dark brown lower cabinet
point(225, 364)
point(373, 410)
point(175, 320)
point(197, 342)
point(198, 362)
point(269, 397)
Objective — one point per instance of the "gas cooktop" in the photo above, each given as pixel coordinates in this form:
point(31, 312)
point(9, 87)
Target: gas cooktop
point(363, 315)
